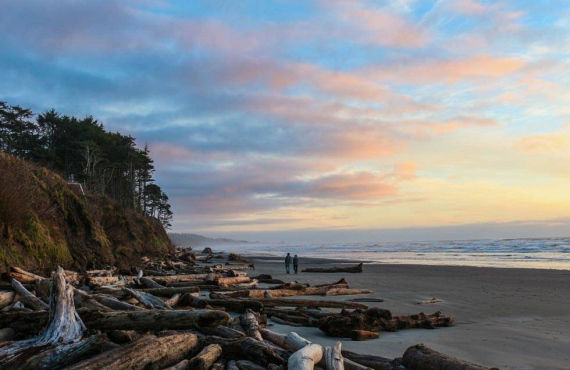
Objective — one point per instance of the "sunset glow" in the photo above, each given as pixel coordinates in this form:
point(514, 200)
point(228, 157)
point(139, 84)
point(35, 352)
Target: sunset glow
point(317, 115)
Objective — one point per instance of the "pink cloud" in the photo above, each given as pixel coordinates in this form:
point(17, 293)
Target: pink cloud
point(406, 170)
point(362, 185)
point(469, 7)
point(449, 71)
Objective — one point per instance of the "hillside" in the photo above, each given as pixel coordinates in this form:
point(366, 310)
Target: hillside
point(44, 222)
point(194, 240)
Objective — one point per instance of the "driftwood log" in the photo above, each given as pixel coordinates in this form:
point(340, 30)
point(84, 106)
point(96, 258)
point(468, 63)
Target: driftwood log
point(149, 349)
point(349, 269)
point(421, 357)
point(206, 358)
point(376, 319)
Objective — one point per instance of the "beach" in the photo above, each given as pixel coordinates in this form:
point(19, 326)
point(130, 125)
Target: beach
point(509, 318)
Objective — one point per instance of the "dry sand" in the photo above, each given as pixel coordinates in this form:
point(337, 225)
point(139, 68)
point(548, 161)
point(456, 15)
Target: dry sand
point(508, 318)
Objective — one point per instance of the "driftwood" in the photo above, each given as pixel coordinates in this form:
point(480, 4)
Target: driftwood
point(206, 358)
point(363, 335)
point(60, 356)
point(250, 349)
point(222, 331)
point(333, 357)
point(349, 269)
point(6, 298)
point(421, 357)
point(154, 319)
point(148, 300)
point(64, 326)
point(248, 322)
point(147, 350)
point(170, 291)
point(370, 361)
point(306, 358)
point(27, 297)
point(114, 305)
point(275, 293)
point(377, 319)
point(23, 276)
point(150, 283)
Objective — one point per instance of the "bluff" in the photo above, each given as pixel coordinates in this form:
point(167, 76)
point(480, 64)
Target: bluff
point(44, 222)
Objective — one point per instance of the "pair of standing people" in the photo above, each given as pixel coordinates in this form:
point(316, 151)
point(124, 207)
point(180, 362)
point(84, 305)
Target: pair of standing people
point(288, 263)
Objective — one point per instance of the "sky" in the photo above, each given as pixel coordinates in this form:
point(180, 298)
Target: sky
point(319, 119)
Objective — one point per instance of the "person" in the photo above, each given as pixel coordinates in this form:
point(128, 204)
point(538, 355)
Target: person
point(288, 262)
point(296, 263)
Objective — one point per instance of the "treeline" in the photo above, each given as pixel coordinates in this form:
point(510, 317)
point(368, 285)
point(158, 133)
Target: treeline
point(103, 162)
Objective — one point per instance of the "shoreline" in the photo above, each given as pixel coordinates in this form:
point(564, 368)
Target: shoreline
point(312, 260)
point(510, 318)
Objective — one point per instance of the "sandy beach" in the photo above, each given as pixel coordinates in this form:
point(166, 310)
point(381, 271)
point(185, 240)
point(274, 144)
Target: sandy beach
point(508, 318)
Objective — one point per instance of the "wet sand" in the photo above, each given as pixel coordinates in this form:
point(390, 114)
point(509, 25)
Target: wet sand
point(508, 318)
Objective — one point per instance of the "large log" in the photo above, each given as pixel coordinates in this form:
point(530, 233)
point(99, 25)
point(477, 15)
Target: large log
point(148, 350)
point(377, 319)
point(349, 269)
point(222, 331)
point(154, 319)
point(150, 283)
point(421, 357)
point(206, 358)
point(306, 358)
point(291, 341)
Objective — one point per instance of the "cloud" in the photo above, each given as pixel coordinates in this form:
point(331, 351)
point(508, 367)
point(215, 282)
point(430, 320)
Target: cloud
point(544, 143)
point(450, 71)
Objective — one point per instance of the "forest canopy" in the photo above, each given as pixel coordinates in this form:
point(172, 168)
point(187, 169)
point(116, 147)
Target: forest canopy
point(80, 149)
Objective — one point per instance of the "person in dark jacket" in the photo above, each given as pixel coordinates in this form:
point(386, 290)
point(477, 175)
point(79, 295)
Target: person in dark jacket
point(288, 263)
point(295, 263)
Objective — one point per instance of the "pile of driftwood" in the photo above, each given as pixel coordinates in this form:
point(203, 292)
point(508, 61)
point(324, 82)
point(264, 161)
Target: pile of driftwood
point(174, 313)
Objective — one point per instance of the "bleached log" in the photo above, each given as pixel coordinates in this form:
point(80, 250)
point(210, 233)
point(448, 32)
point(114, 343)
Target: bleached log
point(306, 357)
point(333, 357)
point(85, 300)
point(6, 298)
point(148, 300)
point(206, 358)
point(275, 293)
point(27, 297)
point(421, 357)
point(291, 341)
point(249, 323)
point(346, 291)
point(64, 324)
point(148, 350)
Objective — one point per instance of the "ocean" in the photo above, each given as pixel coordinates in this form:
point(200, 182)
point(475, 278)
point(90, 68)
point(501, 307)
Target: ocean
point(549, 253)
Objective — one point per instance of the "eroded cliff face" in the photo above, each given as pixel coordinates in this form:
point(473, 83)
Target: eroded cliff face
point(45, 222)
